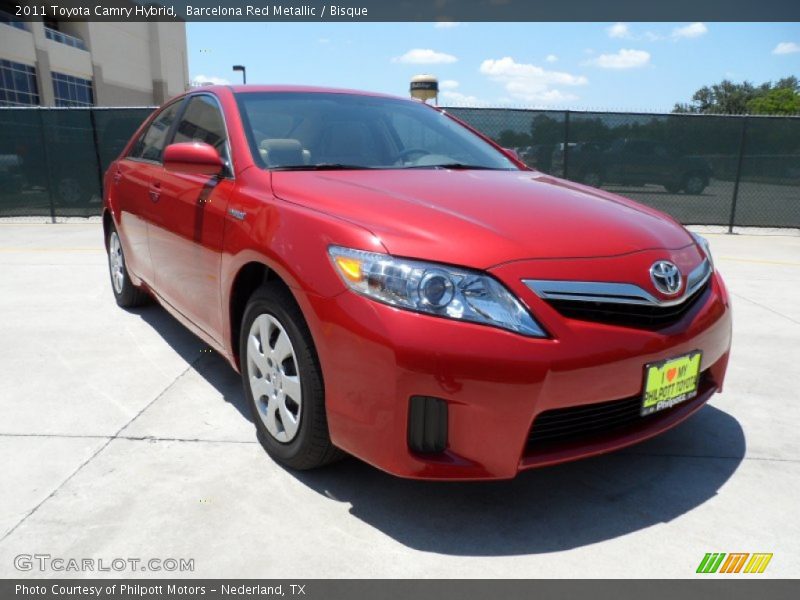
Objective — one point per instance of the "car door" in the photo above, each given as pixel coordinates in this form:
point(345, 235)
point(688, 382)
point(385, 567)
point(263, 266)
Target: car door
point(638, 161)
point(187, 224)
point(133, 183)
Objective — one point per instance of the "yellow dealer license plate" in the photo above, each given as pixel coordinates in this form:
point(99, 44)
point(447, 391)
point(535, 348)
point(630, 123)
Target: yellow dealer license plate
point(670, 382)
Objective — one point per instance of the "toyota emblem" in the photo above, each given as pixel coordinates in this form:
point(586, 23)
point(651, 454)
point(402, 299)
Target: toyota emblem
point(666, 277)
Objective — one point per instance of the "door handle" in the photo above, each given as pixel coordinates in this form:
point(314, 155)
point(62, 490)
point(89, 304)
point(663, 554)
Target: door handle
point(117, 177)
point(155, 192)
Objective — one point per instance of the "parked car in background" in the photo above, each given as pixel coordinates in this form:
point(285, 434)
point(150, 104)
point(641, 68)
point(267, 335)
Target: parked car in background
point(634, 162)
point(393, 285)
point(11, 175)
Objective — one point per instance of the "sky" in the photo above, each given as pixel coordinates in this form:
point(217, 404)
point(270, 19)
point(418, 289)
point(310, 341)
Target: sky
point(599, 66)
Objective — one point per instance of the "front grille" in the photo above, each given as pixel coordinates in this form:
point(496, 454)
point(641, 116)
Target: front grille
point(642, 316)
point(577, 422)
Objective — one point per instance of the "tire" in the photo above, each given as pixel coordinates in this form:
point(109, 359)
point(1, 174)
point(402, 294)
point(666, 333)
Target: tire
point(694, 184)
point(282, 381)
point(592, 178)
point(126, 294)
point(70, 191)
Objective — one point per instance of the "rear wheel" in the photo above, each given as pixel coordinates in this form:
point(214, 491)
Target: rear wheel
point(283, 381)
point(695, 184)
point(126, 294)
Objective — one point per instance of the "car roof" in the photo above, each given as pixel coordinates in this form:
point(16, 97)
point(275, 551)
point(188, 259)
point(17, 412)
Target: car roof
point(305, 89)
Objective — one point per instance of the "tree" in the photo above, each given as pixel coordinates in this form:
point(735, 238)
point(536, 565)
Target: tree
point(509, 138)
point(780, 101)
point(727, 97)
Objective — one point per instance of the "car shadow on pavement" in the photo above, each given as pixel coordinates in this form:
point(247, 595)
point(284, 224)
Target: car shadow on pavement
point(208, 363)
point(543, 510)
point(550, 509)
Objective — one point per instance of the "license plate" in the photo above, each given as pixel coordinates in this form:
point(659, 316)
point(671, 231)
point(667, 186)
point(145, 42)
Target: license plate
point(670, 382)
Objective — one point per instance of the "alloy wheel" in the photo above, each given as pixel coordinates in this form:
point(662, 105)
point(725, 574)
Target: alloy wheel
point(117, 262)
point(272, 370)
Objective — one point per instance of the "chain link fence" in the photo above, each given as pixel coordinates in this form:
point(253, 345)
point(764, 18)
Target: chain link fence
point(702, 169)
point(52, 160)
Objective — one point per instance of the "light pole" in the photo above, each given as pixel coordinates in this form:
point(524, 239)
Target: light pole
point(244, 72)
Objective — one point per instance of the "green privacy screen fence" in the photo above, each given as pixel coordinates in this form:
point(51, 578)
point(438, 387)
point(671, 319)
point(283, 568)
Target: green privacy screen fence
point(702, 169)
point(52, 160)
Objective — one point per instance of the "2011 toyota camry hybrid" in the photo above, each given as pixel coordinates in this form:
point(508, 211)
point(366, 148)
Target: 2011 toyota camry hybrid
point(393, 285)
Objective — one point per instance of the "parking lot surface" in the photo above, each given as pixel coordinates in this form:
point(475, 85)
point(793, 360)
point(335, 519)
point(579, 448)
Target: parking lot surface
point(122, 436)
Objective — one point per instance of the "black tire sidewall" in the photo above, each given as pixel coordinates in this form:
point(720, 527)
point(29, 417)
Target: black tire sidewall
point(273, 301)
point(129, 295)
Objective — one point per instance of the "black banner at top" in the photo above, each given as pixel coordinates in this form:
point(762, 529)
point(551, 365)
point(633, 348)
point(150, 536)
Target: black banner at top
point(405, 10)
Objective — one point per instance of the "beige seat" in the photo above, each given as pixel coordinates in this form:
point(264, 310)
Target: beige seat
point(283, 152)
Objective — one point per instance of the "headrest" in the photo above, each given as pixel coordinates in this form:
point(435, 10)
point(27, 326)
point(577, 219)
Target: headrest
point(283, 152)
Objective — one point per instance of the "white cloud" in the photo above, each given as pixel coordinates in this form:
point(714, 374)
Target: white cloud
point(551, 58)
point(786, 48)
point(209, 80)
point(624, 59)
point(692, 30)
point(448, 84)
point(459, 99)
point(624, 31)
point(324, 40)
point(531, 83)
point(619, 30)
point(651, 36)
point(425, 56)
point(446, 24)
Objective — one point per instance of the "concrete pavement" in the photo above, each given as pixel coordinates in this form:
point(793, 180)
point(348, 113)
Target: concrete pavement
point(121, 436)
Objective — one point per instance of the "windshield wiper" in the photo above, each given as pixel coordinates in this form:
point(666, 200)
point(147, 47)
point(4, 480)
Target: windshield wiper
point(321, 167)
point(456, 165)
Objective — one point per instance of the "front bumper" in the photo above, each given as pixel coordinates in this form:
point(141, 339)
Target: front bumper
point(495, 383)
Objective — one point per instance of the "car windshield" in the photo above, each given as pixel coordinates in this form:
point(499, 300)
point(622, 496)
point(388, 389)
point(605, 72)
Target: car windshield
point(331, 131)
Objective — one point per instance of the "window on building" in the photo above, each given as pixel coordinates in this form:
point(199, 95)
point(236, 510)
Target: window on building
point(18, 84)
point(9, 19)
point(72, 91)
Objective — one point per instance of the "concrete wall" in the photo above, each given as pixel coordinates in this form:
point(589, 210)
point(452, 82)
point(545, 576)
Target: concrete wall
point(131, 64)
point(17, 45)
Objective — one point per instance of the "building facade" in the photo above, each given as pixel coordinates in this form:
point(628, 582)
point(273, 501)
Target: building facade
point(51, 63)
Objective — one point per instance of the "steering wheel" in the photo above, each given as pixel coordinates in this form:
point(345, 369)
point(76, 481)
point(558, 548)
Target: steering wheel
point(412, 151)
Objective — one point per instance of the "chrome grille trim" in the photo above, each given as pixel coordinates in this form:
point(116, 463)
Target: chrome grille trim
point(615, 293)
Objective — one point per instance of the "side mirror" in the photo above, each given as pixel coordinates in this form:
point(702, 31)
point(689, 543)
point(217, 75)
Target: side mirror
point(195, 158)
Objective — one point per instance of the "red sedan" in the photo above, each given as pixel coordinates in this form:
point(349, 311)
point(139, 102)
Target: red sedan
point(393, 285)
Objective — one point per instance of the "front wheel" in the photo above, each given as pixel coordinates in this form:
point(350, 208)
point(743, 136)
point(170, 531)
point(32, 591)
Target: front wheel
point(283, 381)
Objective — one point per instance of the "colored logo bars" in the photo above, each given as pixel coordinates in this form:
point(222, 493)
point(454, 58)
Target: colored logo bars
point(736, 562)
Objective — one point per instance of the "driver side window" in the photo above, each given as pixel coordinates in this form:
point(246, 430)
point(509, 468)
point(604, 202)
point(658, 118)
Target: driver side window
point(202, 122)
point(150, 145)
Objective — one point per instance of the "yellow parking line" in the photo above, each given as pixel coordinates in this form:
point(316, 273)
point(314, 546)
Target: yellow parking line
point(786, 263)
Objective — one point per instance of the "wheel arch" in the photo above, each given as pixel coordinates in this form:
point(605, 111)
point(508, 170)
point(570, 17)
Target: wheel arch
point(247, 280)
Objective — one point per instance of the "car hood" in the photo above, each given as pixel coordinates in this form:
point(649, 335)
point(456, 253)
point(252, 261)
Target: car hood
point(482, 218)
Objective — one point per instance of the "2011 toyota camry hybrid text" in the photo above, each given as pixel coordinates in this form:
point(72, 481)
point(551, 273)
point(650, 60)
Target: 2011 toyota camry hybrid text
point(393, 285)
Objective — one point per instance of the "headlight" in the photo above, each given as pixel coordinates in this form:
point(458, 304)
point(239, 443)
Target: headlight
point(703, 243)
point(433, 289)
